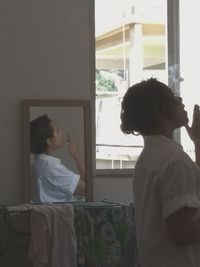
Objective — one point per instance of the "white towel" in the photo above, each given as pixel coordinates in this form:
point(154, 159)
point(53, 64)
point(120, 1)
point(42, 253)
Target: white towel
point(53, 239)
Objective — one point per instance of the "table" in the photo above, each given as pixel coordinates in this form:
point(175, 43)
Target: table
point(105, 236)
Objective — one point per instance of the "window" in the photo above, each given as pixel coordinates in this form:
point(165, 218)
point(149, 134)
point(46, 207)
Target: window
point(189, 60)
point(131, 45)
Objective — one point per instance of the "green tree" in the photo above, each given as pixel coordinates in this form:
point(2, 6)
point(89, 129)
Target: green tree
point(105, 81)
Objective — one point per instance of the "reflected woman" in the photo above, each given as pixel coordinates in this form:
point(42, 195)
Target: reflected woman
point(51, 180)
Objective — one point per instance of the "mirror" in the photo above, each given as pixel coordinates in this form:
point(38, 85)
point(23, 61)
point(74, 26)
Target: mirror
point(74, 118)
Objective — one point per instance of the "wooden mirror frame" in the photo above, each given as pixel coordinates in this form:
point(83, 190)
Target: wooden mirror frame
point(86, 105)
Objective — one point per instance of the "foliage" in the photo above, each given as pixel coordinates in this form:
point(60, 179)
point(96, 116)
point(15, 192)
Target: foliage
point(106, 80)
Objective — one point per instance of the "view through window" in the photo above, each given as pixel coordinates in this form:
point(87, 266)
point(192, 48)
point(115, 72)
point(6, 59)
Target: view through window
point(131, 40)
point(189, 60)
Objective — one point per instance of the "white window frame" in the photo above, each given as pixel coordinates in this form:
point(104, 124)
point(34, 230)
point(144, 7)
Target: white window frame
point(173, 41)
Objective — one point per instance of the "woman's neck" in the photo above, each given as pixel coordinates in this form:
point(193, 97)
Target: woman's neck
point(49, 151)
point(164, 130)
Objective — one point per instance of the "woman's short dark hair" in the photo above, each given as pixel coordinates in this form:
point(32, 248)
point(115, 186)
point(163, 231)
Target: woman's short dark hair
point(141, 105)
point(40, 131)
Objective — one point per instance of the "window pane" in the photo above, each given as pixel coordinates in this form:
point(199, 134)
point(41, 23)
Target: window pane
point(189, 58)
point(130, 46)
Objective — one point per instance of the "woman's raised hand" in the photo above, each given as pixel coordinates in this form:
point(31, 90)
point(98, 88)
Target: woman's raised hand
point(194, 130)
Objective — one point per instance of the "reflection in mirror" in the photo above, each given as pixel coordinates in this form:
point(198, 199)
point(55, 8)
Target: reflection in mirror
point(57, 150)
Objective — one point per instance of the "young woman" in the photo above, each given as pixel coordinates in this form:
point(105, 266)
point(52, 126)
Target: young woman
point(166, 183)
point(51, 180)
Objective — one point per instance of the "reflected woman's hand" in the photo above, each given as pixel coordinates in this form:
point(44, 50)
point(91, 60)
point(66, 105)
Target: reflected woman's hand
point(71, 146)
point(80, 165)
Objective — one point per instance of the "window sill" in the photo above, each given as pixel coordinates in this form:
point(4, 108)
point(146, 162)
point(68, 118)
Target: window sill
point(114, 173)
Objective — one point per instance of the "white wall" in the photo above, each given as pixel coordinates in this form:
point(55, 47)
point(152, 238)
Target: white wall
point(44, 53)
point(113, 189)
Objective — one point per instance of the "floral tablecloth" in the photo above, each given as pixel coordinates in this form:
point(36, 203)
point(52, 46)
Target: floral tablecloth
point(106, 235)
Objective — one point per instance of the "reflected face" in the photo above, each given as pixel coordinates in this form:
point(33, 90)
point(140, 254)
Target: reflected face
point(57, 139)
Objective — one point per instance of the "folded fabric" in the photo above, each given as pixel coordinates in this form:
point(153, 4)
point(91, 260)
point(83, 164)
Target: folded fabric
point(53, 239)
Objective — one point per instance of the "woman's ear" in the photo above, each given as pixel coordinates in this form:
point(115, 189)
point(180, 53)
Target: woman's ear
point(157, 110)
point(49, 141)
point(166, 112)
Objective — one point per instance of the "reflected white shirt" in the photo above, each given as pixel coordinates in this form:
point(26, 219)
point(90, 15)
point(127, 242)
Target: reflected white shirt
point(51, 180)
point(166, 179)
